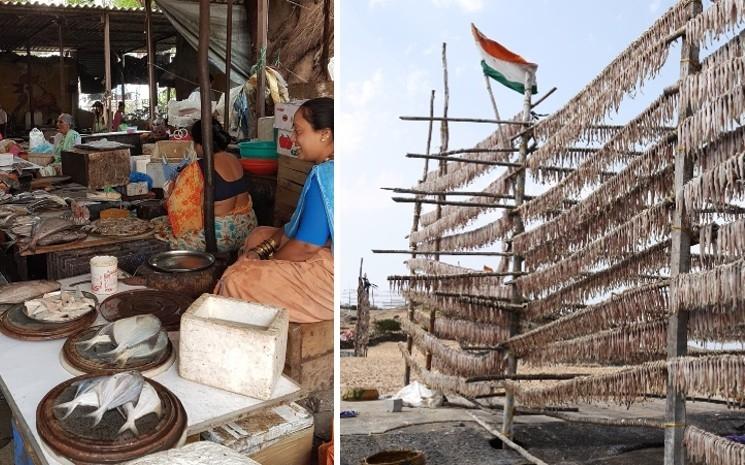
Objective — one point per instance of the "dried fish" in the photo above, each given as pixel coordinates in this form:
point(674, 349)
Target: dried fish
point(19, 292)
point(468, 240)
point(59, 306)
point(706, 448)
point(115, 391)
point(465, 331)
point(147, 403)
point(45, 228)
point(464, 307)
point(721, 17)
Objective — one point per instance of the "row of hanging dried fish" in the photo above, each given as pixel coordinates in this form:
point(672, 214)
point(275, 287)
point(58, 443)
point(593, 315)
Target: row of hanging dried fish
point(453, 361)
point(642, 304)
point(639, 171)
point(722, 17)
point(474, 309)
point(707, 448)
point(717, 375)
point(715, 186)
point(453, 217)
point(467, 283)
point(642, 130)
point(715, 116)
point(629, 272)
point(724, 147)
point(623, 387)
point(601, 133)
point(445, 382)
point(567, 239)
point(630, 344)
point(644, 228)
point(459, 173)
point(639, 61)
point(718, 242)
point(713, 81)
point(464, 331)
point(473, 239)
point(435, 267)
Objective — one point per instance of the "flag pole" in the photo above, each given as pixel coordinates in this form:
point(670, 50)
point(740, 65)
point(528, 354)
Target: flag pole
point(517, 260)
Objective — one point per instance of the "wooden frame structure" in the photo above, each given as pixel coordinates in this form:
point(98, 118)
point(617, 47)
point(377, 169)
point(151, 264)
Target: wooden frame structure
point(678, 166)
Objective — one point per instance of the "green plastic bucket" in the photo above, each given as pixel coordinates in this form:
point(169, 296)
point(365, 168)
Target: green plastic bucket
point(266, 149)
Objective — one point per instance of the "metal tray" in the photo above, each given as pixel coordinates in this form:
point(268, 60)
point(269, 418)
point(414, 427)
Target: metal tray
point(179, 261)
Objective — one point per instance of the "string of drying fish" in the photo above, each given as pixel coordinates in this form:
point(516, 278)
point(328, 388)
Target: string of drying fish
point(648, 226)
point(473, 239)
point(642, 304)
point(715, 186)
point(705, 448)
point(464, 330)
point(476, 310)
point(641, 60)
point(454, 361)
point(633, 343)
point(719, 150)
point(445, 382)
point(475, 283)
point(566, 240)
point(722, 17)
point(722, 241)
point(626, 273)
point(718, 375)
point(715, 116)
point(623, 387)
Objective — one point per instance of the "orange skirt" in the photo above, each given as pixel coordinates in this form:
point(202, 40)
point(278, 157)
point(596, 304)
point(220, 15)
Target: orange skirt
point(305, 289)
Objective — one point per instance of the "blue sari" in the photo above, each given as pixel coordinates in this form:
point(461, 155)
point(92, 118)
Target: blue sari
point(322, 174)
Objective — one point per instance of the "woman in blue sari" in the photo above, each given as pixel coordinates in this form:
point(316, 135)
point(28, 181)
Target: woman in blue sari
point(293, 267)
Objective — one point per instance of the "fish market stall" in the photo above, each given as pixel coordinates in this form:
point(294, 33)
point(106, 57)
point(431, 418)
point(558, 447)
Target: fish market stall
point(31, 369)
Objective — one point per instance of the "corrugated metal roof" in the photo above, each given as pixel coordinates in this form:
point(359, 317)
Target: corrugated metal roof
point(62, 6)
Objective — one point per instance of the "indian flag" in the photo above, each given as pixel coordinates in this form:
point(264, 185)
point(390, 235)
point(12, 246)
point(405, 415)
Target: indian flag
point(506, 67)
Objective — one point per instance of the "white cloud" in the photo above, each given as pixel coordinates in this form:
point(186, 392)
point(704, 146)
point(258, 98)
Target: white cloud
point(361, 93)
point(654, 5)
point(465, 5)
point(417, 82)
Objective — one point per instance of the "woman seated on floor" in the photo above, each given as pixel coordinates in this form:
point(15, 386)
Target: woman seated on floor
point(293, 267)
point(234, 213)
point(66, 138)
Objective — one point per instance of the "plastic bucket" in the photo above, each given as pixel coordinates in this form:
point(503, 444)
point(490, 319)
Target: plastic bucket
point(395, 457)
point(258, 149)
point(104, 274)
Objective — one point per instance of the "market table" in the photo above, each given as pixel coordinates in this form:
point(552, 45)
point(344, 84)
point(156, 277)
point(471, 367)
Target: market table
point(28, 370)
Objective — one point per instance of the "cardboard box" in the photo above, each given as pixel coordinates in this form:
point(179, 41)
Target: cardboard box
point(310, 355)
point(285, 146)
point(97, 169)
point(173, 149)
point(137, 188)
point(291, 174)
point(284, 112)
point(233, 345)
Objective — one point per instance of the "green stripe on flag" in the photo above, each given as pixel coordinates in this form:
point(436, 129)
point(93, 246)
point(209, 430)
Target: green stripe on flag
point(497, 76)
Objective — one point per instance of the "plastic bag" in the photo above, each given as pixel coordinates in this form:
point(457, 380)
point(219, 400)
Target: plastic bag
point(36, 141)
point(419, 395)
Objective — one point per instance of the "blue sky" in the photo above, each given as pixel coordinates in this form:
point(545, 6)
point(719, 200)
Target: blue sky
point(389, 61)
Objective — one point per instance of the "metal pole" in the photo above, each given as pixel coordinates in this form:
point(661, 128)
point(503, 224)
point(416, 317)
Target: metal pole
point(262, 25)
point(61, 67)
point(107, 67)
point(153, 84)
point(204, 93)
point(228, 64)
point(517, 260)
point(680, 262)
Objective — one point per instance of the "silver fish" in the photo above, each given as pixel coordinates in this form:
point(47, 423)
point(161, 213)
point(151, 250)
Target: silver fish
point(144, 349)
point(115, 391)
point(45, 228)
point(16, 293)
point(125, 333)
point(149, 402)
point(85, 396)
point(63, 237)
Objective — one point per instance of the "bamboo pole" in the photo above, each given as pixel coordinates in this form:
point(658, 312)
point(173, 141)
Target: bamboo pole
point(107, 67)
point(262, 27)
point(62, 89)
point(453, 203)
point(445, 119)
point(412, 244)
point(460, 160)
point(442, 252)
point(680, 262)
point(517, 260)
point(525, 377)
point(544, 97)
point(152, 83)
point(228, 63)
point(400, 190)
point(206, 103)
point(507, 441)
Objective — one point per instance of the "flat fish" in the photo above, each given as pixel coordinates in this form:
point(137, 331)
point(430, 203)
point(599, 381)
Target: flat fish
point(145, 349)
point(16, 293)
point(85, 396)
point(46, 228)
point(149, 402)
point(128, 331)
point(115, 391)
point(63, 237)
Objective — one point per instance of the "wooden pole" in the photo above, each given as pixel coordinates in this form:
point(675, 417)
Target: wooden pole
point(362, 334)
point(400, 190)
point(491, 97)
point(62, 89)
point(415, 228)
point(30, 83)
point(443, 252)
point(508, 442)
point(228, 63)
point(444, 140)
point(107, 68)
point(445, 119)
point(327, 27)
point(452, 203)
point(153, 84)
point(680, 262)
point(517, 260)
point(206, 103)
point(444, 159)
point(262, 12)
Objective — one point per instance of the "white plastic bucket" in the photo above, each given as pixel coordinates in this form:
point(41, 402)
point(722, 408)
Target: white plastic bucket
point(104, 274)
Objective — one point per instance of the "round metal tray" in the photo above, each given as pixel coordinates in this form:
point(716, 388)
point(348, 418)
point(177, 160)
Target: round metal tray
point(180, 261)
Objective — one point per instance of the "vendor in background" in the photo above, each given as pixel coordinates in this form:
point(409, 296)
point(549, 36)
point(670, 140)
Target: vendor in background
point(99, 121)
point(234, 213)
point(66, 137)
point(118, 117)
point(158, 131)
point(293, 267)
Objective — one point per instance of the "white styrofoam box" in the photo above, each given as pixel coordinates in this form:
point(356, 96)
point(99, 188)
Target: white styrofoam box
point(284, 112)
point(196, 452)
point(143, 161)
point(137, 188)
point(285, 146)
point(262, 429)
point(266, 128)
point(233, 345)
point(154, 169)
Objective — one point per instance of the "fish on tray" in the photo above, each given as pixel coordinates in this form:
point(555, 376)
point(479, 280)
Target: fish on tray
point(85, 396)
point(44, 229)
point(59, 307)
point(19, 292)
point(134, 337)
point(149, 402)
